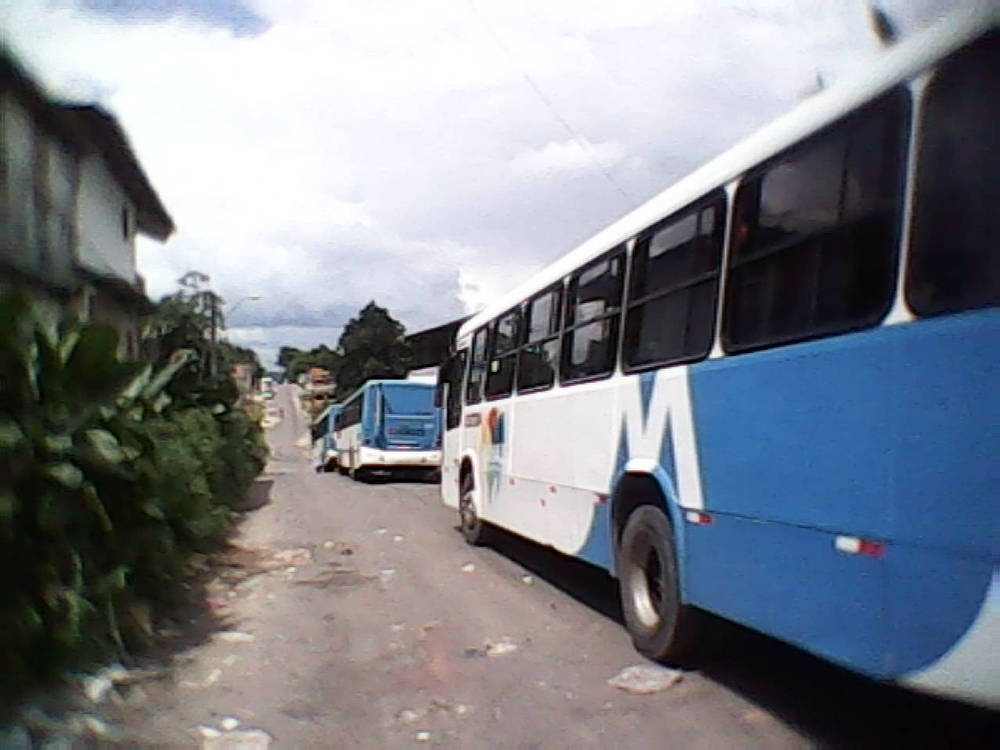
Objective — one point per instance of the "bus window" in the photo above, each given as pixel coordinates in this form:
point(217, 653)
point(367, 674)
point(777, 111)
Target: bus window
point(351, 413)
point(815, 232)
point(592, 318)
point(477, 370)
point(954, 257)
point(407, 400)
point(537, 360)
point(504, 342)
point(674, 286)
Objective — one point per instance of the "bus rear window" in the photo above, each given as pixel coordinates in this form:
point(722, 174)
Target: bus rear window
point(955, 247)
point(408, 400)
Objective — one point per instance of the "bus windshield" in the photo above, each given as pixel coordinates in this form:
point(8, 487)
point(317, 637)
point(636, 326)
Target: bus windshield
point(409, 400)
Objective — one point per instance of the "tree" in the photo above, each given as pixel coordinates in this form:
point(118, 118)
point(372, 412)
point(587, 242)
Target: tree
point(321, 356)
point(372, 346)
point(230, 355)
point(190, 319)
point(285, 357)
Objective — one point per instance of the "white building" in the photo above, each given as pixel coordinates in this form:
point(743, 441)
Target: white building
point(72, 199)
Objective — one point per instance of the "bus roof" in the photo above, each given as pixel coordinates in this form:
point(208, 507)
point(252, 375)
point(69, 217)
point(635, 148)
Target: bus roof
point(322, 415)
point(895, 65)
point(388, 381)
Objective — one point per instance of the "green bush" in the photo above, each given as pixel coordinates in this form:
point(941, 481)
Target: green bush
point(107, 485)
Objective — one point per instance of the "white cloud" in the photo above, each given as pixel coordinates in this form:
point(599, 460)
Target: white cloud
point(425, 155)
point(566, 156)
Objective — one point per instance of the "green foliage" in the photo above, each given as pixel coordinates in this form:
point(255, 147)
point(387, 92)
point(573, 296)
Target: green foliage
point(110, 477)
point(191, 319)
point(373, 347)
point(321, 356)
point(286, 354)
point(230, 355)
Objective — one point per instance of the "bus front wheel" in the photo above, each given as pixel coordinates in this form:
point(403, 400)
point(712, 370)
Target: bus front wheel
point(661, 626)
point(474, 529)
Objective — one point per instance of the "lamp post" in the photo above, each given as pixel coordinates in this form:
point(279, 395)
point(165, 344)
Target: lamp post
point(237, 303)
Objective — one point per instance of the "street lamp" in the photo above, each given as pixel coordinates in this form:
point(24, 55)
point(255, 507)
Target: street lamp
point(240, 301)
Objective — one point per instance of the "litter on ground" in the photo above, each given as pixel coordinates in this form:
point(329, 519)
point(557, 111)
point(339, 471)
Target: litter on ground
point(643, 679)
point(235, 636)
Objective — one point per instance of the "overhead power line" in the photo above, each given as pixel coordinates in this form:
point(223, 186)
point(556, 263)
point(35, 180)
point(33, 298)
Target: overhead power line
point(576, 137)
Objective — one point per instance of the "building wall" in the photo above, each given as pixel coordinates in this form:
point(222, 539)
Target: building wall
point(106, 223)
point(67, 225)
point(36, 199)
point(109, 309)
point(243, 376)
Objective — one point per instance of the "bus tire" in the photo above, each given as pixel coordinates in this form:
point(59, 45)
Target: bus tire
point(473, 528)
point(662, 628)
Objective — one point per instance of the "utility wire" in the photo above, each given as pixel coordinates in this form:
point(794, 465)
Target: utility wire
point(578, 139)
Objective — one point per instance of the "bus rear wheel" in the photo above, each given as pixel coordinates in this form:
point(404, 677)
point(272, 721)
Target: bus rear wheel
point(661, 626)
point(474, 529)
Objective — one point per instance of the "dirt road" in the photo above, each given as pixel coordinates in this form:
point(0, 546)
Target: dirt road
point(354, 616)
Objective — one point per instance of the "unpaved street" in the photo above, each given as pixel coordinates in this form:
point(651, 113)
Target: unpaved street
point(354, 616)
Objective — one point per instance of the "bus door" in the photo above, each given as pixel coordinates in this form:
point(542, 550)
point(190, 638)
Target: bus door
point(449, 398)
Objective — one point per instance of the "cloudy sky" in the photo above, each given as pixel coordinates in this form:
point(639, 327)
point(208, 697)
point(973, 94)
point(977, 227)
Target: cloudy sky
point(427, 154)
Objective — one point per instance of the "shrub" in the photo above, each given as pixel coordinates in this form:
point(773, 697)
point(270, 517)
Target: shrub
point(106, 488)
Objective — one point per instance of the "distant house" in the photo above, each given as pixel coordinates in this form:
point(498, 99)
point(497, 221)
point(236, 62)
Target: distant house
point(73, 197)
point(244, 375)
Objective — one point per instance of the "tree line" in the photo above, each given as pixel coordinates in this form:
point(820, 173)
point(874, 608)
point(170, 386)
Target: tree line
point(372, 345)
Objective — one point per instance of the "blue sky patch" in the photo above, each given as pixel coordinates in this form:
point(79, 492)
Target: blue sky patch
point(230, 14)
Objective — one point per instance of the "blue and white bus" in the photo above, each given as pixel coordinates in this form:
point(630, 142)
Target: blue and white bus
point(389, 427)
point(772, 392)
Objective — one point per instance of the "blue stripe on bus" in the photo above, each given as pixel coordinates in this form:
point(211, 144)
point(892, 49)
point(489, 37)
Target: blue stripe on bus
point(933, 598)
point(598, 548)
point(892, 433)
point(889, 435)
point(790, 582)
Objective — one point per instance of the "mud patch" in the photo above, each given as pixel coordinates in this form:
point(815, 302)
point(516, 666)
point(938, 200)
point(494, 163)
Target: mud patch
point(332, 575)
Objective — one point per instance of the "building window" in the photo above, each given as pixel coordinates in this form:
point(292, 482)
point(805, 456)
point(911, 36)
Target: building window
point(815, 232)
point(954, 263)
point(674, 287)
point(127, 223)
point(593, 312)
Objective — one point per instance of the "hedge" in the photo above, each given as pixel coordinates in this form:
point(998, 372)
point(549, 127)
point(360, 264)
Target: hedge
point(107, 486)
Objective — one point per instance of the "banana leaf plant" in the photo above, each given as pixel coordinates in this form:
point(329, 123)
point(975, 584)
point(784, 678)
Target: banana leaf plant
point(87, 525)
